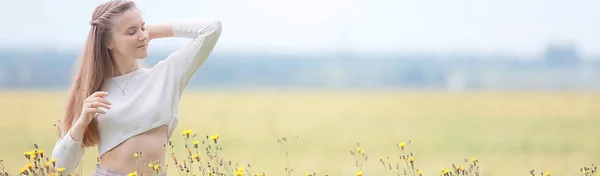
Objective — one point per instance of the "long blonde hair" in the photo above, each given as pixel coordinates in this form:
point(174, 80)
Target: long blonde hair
point(95, 66)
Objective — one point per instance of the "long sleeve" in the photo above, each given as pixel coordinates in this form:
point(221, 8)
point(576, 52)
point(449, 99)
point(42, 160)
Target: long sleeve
point(68, 153)
point(185, 62)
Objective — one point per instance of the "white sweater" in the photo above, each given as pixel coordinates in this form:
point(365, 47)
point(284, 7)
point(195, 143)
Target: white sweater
point(151, 96)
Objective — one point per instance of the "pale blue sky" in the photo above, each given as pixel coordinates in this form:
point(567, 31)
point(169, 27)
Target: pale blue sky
point(521, 27)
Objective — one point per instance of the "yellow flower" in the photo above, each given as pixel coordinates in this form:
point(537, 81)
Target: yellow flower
point(136, 155)
point(46, 164)
point(238, 173)
point(401, 144)
point(359, 173)
point(261, 174)
point(473, 159)
point(411, 159)
point(150, 165)
point(196, 156)
point(196, 142)
point(308, 174)
point(23, 170)
point(187, 132)
point(445, 171)
point(419, 173)
point(29, 154)
point(240, 169)
point(30, 165)
point(52, 161)
point(547, 174)
point(359, 150)
point(156, 167)
point(60, 169)
point(214, 137)
point(134, 173)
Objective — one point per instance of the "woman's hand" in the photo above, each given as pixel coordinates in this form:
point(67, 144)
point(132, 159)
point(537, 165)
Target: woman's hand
point(91, 106)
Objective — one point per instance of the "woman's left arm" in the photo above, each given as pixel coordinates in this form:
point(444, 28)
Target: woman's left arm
point(162, 30)
point(184, 63)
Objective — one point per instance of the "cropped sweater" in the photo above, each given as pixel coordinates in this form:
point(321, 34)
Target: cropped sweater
point(152, 94)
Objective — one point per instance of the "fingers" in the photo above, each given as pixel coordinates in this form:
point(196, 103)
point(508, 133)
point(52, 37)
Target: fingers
point(97, 99)
point(102, 100)
point(93, 110)
point(93, 103)
point(97, 104)
point(99, 94)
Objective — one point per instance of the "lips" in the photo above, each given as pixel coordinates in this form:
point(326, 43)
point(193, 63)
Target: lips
point(141, 46)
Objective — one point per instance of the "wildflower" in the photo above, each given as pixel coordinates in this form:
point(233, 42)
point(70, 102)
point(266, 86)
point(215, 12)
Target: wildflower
point(547, 173)
point(52, 161)
point(136, 155)
point(23, 170)
point(419, 173)
point(156, 167)
point(308, 174)
point(359, 150)
point(445, 171)
point(214, 138)
point(261, 174)
point(134, 173)
point(196, 156)
point(60, 169)
point(150, 165)
point(187, 133)
point(474, 159)
point(359, 173)
point(196, 144)
point(401, 145)
point(411, 159)
point(29, 154)
point(46, 165)
point(30, 165)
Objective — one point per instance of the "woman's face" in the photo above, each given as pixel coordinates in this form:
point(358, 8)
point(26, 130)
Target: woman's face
point(129, 35)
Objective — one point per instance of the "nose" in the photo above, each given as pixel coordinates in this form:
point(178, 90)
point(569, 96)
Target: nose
point(143, 37)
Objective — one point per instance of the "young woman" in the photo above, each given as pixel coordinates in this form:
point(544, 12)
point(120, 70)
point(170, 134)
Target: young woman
point(120, 106)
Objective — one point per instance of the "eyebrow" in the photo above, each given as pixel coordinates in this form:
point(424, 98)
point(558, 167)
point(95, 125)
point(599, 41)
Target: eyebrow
point(144, 23)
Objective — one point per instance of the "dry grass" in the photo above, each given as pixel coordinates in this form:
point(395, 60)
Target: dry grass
point(509, 133)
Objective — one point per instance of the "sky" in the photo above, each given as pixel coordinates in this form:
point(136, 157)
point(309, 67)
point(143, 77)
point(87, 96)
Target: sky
point(523, 27)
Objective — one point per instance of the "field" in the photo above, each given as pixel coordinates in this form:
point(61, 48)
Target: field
point(510, 133)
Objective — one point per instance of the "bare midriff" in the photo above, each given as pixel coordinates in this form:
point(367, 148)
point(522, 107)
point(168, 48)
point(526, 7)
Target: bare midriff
point(152, 144)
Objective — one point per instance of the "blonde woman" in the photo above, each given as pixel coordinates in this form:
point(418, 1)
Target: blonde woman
point(120, 106)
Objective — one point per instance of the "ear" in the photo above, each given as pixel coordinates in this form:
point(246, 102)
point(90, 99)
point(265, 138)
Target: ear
point(110, 44)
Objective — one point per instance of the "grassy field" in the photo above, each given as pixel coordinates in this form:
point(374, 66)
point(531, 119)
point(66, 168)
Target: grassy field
point(509, 133)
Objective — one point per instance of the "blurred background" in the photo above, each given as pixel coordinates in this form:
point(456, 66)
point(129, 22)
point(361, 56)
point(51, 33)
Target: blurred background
point(513, 83)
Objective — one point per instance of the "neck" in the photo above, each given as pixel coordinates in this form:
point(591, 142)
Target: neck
point(124, 65)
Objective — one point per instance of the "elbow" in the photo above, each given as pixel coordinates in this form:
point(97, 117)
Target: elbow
point(217, 27)
point(61, 159)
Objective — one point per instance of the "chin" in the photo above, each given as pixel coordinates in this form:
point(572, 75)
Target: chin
point(142, 55)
